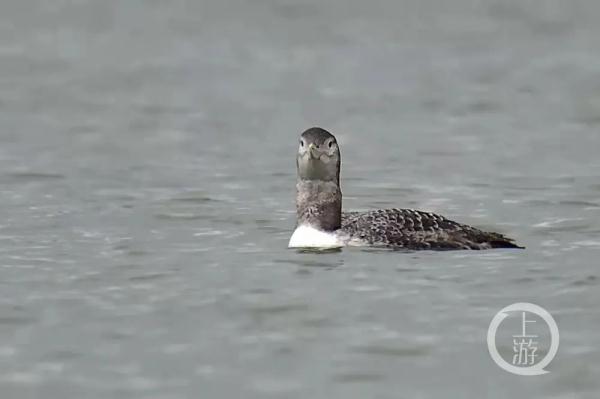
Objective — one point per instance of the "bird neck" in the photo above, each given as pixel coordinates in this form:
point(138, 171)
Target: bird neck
point(319, 204)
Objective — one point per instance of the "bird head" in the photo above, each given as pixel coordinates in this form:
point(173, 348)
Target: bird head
point(318, 156)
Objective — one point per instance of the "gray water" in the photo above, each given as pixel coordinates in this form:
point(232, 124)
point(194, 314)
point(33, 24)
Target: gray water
point(146, 195)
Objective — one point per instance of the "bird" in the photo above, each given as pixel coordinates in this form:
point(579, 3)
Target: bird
point(321, 223)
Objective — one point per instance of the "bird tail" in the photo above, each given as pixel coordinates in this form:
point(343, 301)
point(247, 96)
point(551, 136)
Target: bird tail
point(499, 241)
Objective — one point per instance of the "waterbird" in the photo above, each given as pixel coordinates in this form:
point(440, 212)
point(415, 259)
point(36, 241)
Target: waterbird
point(321, 223)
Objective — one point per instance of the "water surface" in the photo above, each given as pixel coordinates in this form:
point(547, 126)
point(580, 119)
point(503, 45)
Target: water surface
point(147, 180)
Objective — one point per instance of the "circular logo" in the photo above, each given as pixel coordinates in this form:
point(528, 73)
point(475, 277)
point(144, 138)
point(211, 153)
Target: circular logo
point(524, 345)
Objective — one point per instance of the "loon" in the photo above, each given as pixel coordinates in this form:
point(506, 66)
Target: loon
point(322, 224)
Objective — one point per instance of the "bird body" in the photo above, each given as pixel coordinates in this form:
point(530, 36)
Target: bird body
point(412, 229)
point(322, 224)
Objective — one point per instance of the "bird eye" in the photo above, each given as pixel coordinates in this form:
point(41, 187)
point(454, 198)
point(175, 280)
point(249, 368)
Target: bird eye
point(301, 143)
point(331, 144)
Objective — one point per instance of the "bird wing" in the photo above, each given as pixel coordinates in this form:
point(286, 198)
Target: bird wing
point(412, 229)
